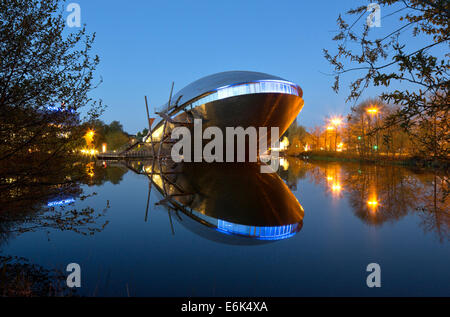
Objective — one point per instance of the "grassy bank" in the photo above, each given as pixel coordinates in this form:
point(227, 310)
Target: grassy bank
point(381, 159)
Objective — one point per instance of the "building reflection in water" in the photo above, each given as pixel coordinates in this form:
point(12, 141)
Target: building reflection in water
point(232, 199)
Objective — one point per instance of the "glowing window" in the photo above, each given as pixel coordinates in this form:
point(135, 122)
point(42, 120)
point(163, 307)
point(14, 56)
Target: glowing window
point(269, 86)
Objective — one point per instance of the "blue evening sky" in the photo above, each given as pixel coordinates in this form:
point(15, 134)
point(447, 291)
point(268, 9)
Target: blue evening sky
point(145, 45)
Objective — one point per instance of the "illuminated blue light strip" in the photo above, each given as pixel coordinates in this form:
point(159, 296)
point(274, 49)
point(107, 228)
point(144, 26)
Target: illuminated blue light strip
point(264, 86)
point(60, 202)
point(58, 109)
point(261, 233)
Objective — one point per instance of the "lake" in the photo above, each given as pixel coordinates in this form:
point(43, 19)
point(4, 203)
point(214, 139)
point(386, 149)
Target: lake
point(141, 229)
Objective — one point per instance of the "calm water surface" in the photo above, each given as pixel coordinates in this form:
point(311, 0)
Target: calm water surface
point(309, 230)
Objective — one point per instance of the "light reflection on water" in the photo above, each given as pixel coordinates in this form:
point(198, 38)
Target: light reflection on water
point(224, 230)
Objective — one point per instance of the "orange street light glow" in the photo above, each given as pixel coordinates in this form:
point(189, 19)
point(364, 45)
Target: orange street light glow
point(90, 134)
point(372, 203)
point(372, 110)
point(89, 151)
point(284, 144)
point(336, 121)
point(336, 188)
point(284, 163)
point(89, 137)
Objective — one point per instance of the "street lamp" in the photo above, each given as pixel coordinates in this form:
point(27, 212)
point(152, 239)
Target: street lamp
point(89, 137)
point(336, 122)
point(329, 128)
point(373, 111)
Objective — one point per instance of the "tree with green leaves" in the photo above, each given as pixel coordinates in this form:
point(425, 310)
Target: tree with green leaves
point(46, 74)
point(112, 134)
point(140, 135)
point(393, 58)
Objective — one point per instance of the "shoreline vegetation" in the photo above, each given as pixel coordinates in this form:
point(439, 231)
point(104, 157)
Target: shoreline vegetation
point(366, 135)
point(401, 160)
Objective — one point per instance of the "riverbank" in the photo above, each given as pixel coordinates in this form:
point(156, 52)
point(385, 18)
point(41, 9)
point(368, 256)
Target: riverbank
point(380, 160)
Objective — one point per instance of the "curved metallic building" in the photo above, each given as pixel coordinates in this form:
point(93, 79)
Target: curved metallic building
point(235, 98)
